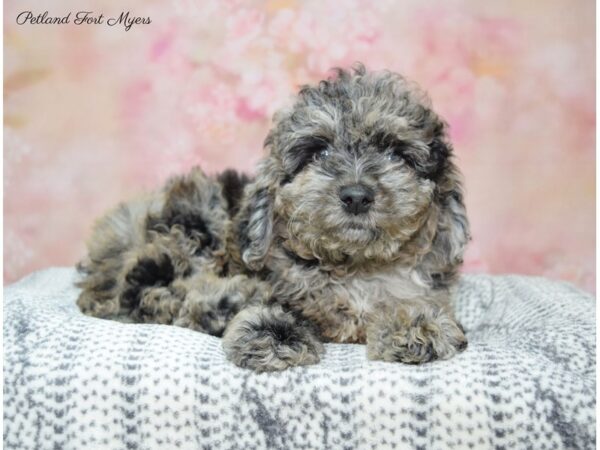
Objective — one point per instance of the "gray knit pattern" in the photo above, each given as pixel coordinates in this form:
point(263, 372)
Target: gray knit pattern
point(527, 380)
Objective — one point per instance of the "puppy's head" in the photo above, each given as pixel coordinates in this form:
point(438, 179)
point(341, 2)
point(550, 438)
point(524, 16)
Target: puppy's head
point(358, 170)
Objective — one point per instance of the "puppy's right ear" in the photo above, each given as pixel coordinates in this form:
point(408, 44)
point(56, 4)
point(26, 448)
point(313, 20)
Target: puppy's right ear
point(255, 219)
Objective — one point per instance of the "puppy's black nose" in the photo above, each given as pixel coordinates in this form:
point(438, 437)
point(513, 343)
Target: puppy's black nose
point(357, 198)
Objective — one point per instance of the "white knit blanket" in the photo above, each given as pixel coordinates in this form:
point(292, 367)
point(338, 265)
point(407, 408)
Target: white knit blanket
point(527, 380)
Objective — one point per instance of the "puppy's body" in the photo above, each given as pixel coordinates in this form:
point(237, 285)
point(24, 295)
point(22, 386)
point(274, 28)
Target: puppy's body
point(352, 231)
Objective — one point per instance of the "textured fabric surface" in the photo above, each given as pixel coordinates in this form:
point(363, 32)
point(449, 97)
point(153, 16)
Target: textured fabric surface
point(527, 380)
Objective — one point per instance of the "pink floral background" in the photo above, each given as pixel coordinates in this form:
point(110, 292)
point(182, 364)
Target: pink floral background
point(95, 114)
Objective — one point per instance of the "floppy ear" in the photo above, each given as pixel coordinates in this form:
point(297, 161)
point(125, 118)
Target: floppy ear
point(255, 219)
point(442, 263)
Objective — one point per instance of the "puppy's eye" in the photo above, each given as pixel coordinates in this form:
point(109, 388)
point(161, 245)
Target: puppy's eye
point(393, 156)
point(396, 153)
point(306, 150)
point(321, 154)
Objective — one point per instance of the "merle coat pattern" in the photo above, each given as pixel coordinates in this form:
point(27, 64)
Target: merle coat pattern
point(352, 230)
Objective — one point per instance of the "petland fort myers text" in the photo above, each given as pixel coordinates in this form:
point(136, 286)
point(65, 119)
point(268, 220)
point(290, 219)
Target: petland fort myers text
point(125, 19)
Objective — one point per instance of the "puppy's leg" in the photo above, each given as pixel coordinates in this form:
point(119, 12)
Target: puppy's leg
point(150, 268)
point(98, 298)
point(211, 301)
point(414, 332)
point(268, 338)
point(147, 268)
point(158, 305)
point(203, 302)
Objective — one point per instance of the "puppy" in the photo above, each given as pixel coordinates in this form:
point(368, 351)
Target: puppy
point(353, 230)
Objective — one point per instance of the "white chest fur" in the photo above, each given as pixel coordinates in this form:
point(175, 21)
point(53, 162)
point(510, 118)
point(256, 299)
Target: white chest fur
point(340, 305)
point(365, 291)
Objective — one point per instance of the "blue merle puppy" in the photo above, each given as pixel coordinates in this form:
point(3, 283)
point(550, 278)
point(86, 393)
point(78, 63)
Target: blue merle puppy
point(353, 230)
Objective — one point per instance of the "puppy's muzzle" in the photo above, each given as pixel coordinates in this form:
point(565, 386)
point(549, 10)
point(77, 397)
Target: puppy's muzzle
point(357, 198)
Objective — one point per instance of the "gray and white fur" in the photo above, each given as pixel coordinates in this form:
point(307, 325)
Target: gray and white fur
point(353, 230)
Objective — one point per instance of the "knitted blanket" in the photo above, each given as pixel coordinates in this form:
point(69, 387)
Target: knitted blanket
point(527, 380)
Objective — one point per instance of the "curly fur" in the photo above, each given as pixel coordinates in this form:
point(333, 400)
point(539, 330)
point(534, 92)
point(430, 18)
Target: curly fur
point(279, 264)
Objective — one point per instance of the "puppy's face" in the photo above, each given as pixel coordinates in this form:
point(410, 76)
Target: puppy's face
point(359, 159)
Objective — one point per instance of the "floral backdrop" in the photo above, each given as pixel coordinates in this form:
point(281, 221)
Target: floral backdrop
point(95, 114)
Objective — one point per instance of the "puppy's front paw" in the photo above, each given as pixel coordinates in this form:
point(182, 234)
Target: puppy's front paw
point(415, 338)
point(267, 339)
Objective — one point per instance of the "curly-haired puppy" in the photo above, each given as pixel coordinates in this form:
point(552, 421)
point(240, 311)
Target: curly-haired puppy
point(353, 230)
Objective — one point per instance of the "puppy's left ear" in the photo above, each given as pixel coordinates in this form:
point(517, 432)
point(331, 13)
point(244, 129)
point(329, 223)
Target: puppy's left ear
point(255, 218)
point(442, 263)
